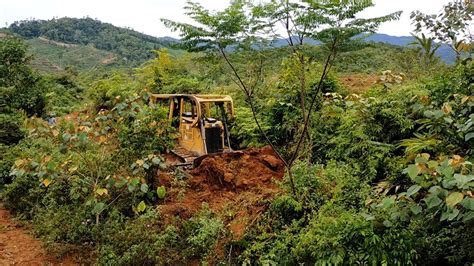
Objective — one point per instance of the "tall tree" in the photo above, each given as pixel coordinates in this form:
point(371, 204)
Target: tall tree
point(20, 87)
point(334, 23)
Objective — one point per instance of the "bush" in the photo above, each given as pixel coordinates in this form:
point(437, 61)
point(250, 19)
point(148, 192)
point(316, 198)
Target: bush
point(11, 128)
point(63, 95)
point(144, 241)
point(329, 235)
point(148, 241)
point(202, 232)
point(105, 93)
point(339, 237)
point(139, 125)
point(458, 81)
point(7, 158)
point(244, 131)
point(335, 182)
point(67, 178)
point(448, 245)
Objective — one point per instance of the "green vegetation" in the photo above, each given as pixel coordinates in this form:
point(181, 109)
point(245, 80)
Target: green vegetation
point(84, 44)
point(130, 46)
point(50, 57)
point(379, 176)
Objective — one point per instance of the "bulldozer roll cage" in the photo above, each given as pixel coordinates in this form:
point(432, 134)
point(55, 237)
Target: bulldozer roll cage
point(202, 121)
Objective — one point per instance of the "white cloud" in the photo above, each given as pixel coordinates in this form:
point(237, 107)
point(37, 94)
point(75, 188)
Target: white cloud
point(144, 15)
point(403, 26)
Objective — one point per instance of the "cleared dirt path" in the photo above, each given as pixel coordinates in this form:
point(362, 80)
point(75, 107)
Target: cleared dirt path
point(18, 247)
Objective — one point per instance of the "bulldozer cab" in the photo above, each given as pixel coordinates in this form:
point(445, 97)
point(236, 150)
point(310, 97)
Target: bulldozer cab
point(202, 121)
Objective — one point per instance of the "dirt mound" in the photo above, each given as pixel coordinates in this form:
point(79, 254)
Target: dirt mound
point(359, 83)
point(235, 185)
point(238, 170)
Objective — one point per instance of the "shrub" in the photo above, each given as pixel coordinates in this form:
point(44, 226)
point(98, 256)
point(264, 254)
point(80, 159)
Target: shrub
point(143, 241)
point(202, 232)
point(104, 93)
point(148, 241)
point(11, 130)
point(339, 237)
point(67, 178)
point(459, 81)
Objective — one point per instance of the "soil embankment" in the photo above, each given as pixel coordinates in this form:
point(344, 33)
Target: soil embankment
point(236, 185)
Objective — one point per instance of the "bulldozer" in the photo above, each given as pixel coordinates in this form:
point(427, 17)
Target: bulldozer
point(202, 122)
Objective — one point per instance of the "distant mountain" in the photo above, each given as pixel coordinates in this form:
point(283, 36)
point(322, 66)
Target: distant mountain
point(394, 40)
point(128, 46)
point(168, 40)
point(444, 52)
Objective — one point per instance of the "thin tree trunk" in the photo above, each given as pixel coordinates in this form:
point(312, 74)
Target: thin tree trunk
point(249, 100)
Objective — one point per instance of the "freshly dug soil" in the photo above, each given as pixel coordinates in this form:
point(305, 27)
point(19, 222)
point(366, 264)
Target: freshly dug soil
point(359, 83)
point(236, 185)
point(237, 171)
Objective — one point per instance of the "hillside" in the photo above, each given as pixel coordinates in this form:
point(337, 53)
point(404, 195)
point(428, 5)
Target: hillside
point(52, 57)
point(127, 46)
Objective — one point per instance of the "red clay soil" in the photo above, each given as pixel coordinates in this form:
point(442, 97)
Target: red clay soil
point(359, 83)
point(17, 247)
point(234, 185)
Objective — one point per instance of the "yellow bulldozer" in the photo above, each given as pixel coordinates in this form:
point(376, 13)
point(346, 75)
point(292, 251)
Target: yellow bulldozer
point(202, 122)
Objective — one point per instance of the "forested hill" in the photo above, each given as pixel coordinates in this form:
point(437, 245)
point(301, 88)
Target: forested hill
point(87, 44)
point(129, 45)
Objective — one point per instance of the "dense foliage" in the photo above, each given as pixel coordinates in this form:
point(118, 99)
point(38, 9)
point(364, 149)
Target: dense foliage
point(385, 175)
point(370, 197)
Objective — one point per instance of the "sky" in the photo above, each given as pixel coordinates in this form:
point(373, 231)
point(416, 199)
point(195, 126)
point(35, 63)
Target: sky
point(144, 15)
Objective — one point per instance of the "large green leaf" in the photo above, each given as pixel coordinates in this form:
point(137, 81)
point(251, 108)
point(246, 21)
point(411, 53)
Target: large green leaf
point(156, 161)
point(144, 188)
point(413, 171)
point(469, 136)
point(453, 215)
point(416, 209)
point(468, 216)
point(463, 180)
point(413, 190)
point(448, 171)
point(98, 208)
point(432, 201)
point(468, 203)
point(454, 198)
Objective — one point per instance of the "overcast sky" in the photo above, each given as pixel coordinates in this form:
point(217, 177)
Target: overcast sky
point(144, 15)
